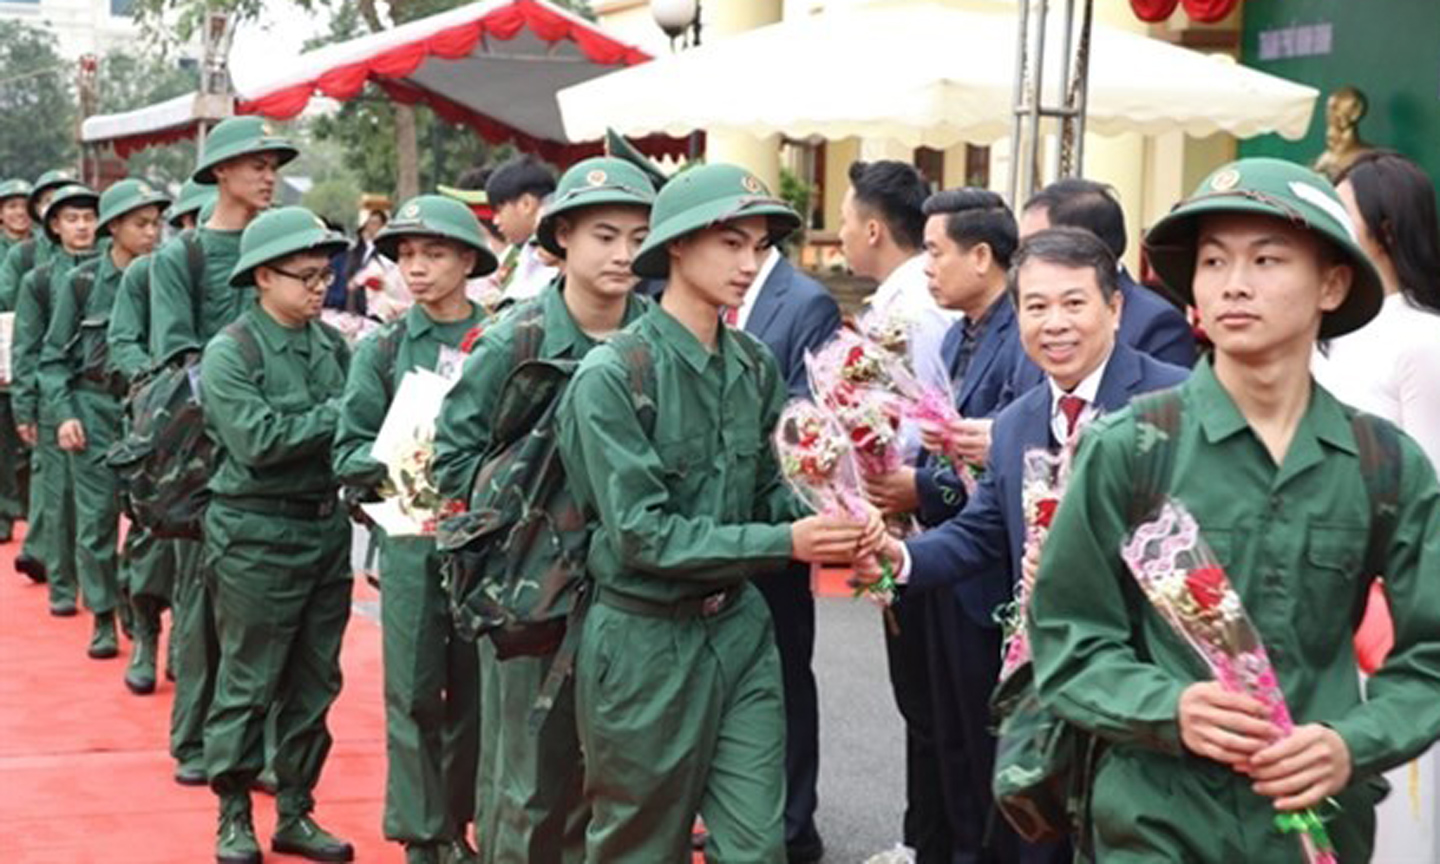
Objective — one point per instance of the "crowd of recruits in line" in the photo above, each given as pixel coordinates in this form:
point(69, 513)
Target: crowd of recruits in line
point(273, 582)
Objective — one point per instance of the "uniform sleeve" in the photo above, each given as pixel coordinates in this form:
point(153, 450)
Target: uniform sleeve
point(172, 305)
point(603, 445)
point(10, 276)
point(25, 352)
point(249, 427)
point(1082, 634)
point(129, 325)
point(1400, 716)
point(362, 412)
point(971, 544)
point(463, 434)
point(54, 367)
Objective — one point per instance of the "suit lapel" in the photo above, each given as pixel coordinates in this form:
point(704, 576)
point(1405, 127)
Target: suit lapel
point(1121, 379)
point(989, 348)
point(764, 316)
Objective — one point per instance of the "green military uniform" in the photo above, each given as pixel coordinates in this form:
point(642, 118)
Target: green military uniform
point(678, 689)
point(531, 802)
point(432, 710)
point(77, 382)
point(33, 311)
point(277, 544)
point(12, 449)
point(194, 199)
point(1292, 538)
point(183, 317)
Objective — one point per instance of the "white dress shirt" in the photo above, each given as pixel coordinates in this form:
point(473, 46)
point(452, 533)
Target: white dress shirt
point(1390, 368)
point(742, 315)
point(531, 275)
point(1088, 389)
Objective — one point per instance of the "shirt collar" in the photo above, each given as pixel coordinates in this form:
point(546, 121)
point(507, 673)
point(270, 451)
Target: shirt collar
point(274, 335)
point(418, 322)
point(563, 337)
point(1220, 418)
point(908, 273)
point(1088, 389)
point(676, 335)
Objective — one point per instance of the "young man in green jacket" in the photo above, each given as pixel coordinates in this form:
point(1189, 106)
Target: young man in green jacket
point(1269, 463)
point(242, 158)
point(81, 389)
point(70, 229)
point(277, 543)
point(678, 691)
point(16, 227)
point(530, 805)
point(432, 703)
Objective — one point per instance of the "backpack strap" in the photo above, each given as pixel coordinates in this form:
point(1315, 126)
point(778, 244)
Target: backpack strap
point(249, 345)
point(81, 283)
point(640, 366)
point(27, 255)
point(42, 291)
point(387, 341)
point(529, 333)
point(195, 264)
point(1380, 460)
point(1157, 424)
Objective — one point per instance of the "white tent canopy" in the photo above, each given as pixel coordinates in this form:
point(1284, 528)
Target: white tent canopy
point(923, 74)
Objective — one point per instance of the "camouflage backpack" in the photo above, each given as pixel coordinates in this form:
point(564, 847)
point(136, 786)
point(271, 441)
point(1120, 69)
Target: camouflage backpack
point(89, 346)
point(165, 458)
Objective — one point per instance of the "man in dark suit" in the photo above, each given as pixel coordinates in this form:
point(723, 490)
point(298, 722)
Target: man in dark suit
point(970, 236)
point(1150, 323)
point(792, 313)
point(1069, 310)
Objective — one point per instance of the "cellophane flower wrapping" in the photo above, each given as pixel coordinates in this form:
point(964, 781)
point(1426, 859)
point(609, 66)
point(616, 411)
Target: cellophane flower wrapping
point(817, 460)
point(1046, 475)
point(1185, 582)
point(352, 326)
point(405, 445)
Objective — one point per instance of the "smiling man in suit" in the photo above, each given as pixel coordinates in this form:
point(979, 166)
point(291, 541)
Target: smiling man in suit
point(1068, 310)
point(792, 314)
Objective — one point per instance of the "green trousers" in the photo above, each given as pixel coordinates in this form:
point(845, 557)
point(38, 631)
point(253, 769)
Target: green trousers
point(432, 710)
point(12, 458)
point(52, 515)
point(148, 566)
point(198, 655)
point(531, 796)
point(95, 496)
point(679, 716)
point(1149, 806)
point(281, 589)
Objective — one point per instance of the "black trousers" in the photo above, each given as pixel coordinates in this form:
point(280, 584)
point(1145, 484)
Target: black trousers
point(792, 607)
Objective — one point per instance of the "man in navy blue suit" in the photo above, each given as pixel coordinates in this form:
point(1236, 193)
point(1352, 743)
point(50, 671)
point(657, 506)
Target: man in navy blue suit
point(1069, 308)
point(792, 313)
point(1149, 323)
point(970, 236)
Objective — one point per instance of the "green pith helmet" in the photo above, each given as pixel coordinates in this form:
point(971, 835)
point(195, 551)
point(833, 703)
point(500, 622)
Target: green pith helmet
point(124, 197)
point(53, 179)
point(702, 197)
point(617, 147)
point(16, 188)
point(193, 197)
point(603, 180)
point(73, 195)
point(1269, 187)
point(277, 233)
point(437, 216)
point(240, 136)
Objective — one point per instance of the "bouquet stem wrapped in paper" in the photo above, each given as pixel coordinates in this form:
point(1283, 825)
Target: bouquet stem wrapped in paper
point(405, 445)
point(1183, 580)
point(1046, 475)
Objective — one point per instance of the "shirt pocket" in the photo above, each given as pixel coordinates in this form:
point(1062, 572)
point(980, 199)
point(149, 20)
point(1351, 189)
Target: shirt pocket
point(1330, 586)
point(685, 468)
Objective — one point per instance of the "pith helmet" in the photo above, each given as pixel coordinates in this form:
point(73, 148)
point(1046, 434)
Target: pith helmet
point(437, 216)
point(602, 180)
point(240, 136)
point(193, 197)
point(16, 188)
point(126, 196)
point(702, 197)
point(277, 233)
point(73, 195)
point(52, 179)
point(1271, 187)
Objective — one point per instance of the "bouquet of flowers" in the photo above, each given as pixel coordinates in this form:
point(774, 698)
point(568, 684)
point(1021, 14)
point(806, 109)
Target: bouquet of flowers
point(405, 445)
point(888, 330)
point(817, 460)
point(845, 365)
point(1046, 475)
point(352, 327)
point(1185, 583)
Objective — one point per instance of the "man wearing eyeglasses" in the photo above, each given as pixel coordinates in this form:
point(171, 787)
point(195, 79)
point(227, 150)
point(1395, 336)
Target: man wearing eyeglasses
point(242, 157)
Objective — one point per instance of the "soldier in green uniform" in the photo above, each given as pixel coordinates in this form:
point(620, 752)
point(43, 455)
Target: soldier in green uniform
point(70, 227)
point(80, 388)
point(277, 543)
point(678, 693)
point(1269, 463)
point(18, 261)
point(189, 208)
point(531, 804)
point(242, 156)
point(15, 228)
point(432, 710)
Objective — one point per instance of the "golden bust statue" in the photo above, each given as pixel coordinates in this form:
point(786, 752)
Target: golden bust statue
point(1343, 111)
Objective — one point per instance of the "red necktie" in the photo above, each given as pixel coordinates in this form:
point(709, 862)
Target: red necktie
point(1071, 406)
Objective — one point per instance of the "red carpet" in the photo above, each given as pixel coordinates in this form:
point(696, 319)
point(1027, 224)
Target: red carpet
point(84, 767)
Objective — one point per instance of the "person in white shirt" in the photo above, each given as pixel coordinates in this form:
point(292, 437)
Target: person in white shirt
point(518, 190)
point(1391, 368)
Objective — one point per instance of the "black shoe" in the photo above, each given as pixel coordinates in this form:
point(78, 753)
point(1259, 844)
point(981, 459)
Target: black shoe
point(31, 566)
point(191, 773)
point(805, 851)
point(64, 609)
point(302, 836)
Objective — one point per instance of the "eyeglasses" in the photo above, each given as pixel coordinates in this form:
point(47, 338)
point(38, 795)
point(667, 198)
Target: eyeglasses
point(312, 280)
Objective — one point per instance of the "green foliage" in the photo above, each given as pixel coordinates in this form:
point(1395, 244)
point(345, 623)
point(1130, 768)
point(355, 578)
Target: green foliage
point(37, 107)
point(337, 199)
point(129, 81)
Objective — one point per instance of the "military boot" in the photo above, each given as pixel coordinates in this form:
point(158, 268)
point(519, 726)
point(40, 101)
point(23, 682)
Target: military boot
point(126, 615)
point(140, 674)
point(235, 842)
point(103, 644)
point(301, 835)
point(458, 852)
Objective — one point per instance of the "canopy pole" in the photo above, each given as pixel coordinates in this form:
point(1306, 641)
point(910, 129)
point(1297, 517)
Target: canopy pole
point(1022, 63)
